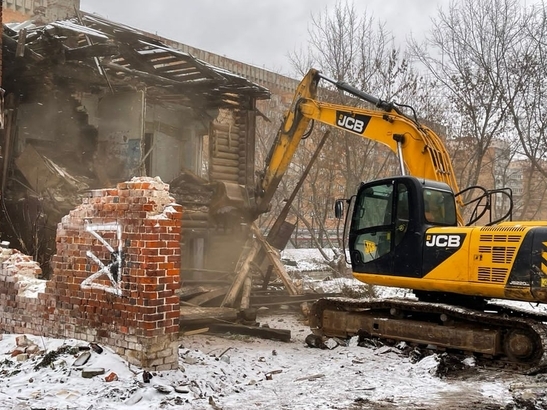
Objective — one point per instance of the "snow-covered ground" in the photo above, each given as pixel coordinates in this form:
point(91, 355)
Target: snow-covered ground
point(240, 372)
point(236, 372)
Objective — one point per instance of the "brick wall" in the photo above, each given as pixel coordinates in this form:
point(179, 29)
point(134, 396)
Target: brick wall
point(116, 277)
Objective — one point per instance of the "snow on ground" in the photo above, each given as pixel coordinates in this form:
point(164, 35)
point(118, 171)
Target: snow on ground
point(236, 372)
point(239, 372)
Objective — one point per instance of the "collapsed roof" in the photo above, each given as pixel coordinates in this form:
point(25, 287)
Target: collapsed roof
point(102, 54)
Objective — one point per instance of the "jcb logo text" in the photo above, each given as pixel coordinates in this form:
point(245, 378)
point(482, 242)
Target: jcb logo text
point(443, 241)
point(355, 123)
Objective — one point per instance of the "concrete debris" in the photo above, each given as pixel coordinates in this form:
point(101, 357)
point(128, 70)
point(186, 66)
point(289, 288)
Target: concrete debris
point(182, 389)
point(82, 359)
point(22, 341)
point(387, 349)
point(331, 344)
point(22, 357)
point(163, 389)
point(88, 373)
point(137, 397)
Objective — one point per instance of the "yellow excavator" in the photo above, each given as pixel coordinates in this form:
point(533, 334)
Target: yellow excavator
point(408, 231)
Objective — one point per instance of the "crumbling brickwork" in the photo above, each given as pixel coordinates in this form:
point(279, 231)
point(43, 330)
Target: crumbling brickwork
point(116, 276)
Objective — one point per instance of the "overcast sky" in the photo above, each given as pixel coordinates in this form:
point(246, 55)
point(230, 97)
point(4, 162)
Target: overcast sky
point(258, 32)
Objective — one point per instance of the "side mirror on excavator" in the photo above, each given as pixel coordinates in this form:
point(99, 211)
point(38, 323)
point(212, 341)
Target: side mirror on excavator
point(339, 208)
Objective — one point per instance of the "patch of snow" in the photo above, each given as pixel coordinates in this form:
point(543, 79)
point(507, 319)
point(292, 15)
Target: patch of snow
point(30, 287)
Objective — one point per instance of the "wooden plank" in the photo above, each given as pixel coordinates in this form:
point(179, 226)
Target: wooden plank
point(190, 316)
point(143, 74)
point(207, 296)
point(246, 293)
point(226, 128)
point(233, 136)
point(226, 170)
point(275, 300)
point(283, 335)
point(224, 148)
point(22, 38)
point(189, 223)
point(188, 292)
point(271, 253)
point(216, 176)
point(195, 332)
point(227, 142)
point(242, 270)
point(227, 155)
point(195, 215)
point(233, 163)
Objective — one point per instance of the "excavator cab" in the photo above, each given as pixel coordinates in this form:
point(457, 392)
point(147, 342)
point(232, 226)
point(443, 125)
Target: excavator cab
point(394, 214)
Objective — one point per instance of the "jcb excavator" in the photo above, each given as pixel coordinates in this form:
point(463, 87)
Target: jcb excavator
point(408, 231)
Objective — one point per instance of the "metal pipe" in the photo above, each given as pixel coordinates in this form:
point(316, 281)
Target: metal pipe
point(400, 138)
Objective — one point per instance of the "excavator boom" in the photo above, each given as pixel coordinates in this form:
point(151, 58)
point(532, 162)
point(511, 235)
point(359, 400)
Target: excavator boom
point(421, 152)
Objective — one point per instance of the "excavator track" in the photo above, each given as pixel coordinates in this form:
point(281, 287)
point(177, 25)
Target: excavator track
point(499, 333)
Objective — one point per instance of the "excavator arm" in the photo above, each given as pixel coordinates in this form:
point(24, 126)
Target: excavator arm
point(288, 138)
point(420, 151)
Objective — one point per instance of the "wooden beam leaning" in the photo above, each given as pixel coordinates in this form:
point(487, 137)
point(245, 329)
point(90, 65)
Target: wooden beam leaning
point(243, 269)
point(279, 268)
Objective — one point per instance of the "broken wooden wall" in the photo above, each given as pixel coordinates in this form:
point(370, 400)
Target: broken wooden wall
point(232, 148)
point(214, 239)
point(90, 85)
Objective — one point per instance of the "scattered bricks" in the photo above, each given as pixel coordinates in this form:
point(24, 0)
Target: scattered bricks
point(22, 357)
point(22, 341)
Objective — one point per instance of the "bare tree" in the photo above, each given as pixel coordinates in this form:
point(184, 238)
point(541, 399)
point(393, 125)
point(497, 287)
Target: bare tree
point(525, 86)
point(487, 56)
point(476, 52)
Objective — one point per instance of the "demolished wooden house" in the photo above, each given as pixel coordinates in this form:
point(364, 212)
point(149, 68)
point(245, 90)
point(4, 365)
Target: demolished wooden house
point(90, 103)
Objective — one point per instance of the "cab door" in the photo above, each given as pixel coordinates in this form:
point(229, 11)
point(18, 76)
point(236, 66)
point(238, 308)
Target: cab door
point(383, 232)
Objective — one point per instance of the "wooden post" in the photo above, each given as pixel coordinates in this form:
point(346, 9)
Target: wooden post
point(273, 256)
point(242, 269)
point(246, 293)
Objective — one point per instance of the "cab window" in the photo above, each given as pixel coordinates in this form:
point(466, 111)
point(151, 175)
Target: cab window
point(380, 220)
point(439, 207)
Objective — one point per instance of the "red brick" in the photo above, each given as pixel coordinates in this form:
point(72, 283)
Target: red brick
point(172, 272)
point(175, 314)
point(149, 251)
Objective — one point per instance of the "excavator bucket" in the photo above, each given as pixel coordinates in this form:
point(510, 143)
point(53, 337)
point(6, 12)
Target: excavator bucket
point(231, 199)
